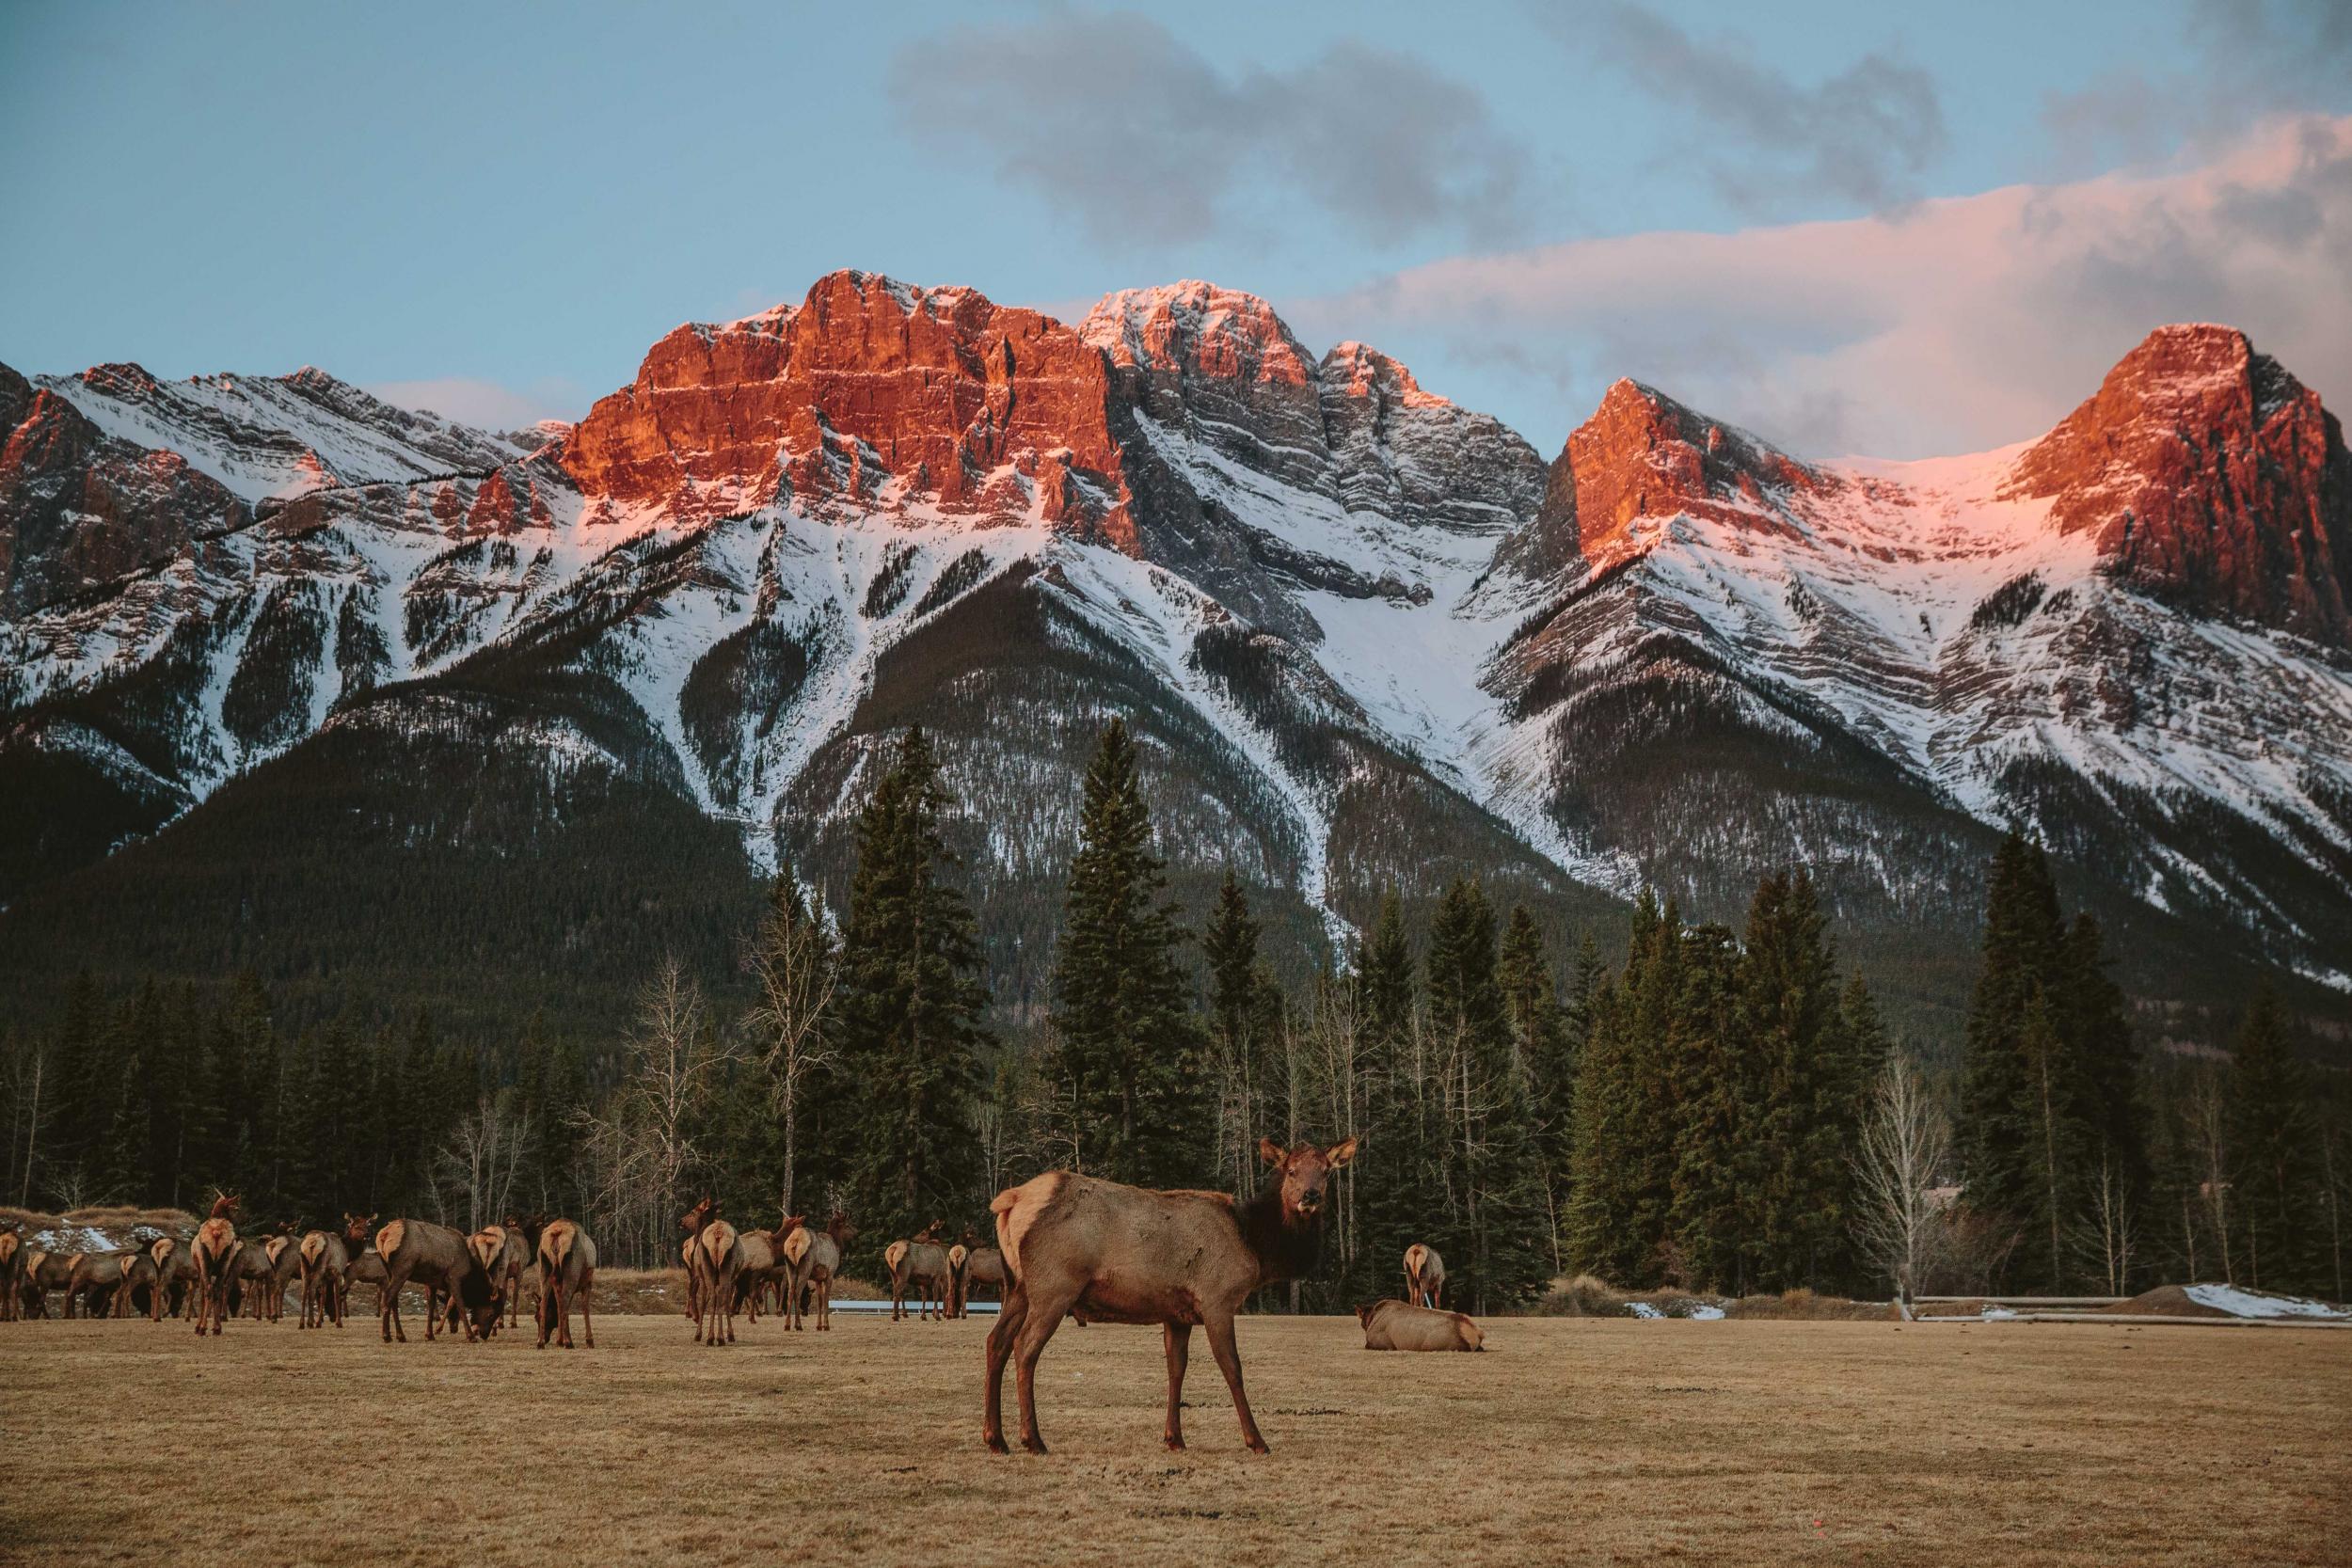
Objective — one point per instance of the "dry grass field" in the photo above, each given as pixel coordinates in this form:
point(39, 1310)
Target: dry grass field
point(1579, 1440)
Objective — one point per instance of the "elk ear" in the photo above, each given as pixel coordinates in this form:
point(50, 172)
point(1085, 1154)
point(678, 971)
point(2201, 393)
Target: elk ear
point(1340, 1154)
point(1272, 1152)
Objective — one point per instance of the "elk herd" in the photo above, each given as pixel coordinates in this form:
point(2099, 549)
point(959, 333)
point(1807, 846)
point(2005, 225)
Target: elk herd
point(1066, 1246)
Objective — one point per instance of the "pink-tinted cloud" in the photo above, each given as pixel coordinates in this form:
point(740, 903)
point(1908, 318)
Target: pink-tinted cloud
point(1956, 325)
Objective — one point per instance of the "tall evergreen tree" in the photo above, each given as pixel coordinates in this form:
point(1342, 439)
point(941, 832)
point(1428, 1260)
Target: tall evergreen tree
point(909, 1007)
point(1124, 1042)
point(1244, 1021)
point(2273, 1139)
point(1545, 1041)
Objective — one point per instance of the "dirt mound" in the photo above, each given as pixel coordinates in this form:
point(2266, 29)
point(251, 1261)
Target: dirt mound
point(2165, 1300)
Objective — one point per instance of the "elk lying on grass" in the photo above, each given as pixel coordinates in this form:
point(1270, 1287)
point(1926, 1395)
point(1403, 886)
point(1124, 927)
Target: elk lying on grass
point(436, 1257)
point(567, 1273)
point(1424, 1276)
point(214, 1255)
point(1400, 1325)
point(712, 1263)
point(814, 1257)
point(11, 1275)
point(922, 1264)
point(1122, 1254)
point(325, 1259)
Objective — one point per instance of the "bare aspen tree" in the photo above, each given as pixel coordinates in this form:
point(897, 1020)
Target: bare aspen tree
point(483, 1159)
point(1905, 1140)
point(791, 959)
point(643, 1145)
point(2209, 1127)
point(1339, 1046)
point(2108, 1230)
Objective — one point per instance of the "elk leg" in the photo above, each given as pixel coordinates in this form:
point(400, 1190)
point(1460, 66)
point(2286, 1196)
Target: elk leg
point(1001, 1336)
point(1037, 1328)
point(587, 1317)
point(1179, 1338)
point(1228, 1362)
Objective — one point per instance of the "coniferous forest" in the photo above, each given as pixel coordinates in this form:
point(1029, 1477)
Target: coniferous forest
point(1724, 1111)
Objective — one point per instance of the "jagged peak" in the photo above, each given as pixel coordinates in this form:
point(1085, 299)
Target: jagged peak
point(1198, 326)
point(1358, 370)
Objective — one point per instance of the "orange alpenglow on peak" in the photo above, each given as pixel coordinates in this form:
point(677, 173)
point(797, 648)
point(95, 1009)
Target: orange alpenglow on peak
point(871, 391)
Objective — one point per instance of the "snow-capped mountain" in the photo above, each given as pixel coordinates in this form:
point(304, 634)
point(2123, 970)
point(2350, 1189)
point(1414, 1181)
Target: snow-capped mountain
point(1368, 635)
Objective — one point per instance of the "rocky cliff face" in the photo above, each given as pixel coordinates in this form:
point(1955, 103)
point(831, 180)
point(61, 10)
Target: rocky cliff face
point(869, 394)
point(78, 507)
point(2211, 478)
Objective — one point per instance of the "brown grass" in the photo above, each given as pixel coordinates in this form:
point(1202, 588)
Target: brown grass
point(1586, 1441)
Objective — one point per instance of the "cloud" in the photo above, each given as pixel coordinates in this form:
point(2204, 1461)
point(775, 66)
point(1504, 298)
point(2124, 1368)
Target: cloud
point(484, 404)
point(1864, 135)
point(1965, 324)
point(1143, 140)
point(2254, 59)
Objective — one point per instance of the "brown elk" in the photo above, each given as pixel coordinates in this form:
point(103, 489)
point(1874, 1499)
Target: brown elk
point(248, 1280)
point(1400, 1325)
point(922, 1264)
point(94, 1281)
point(214, 1255)
point(756, 1268)
point(1126, 1255)
point(175, 1277)
point(792, 1241)
point(367, 1268)
point(142, 1287)
point(691, 1222)
point(437, 1258)
point(11, 1275)
point(816, 1267)
point(981, 1265)
point(44, 1272)
point(958, 1256)
point(325, 1259)
point(713, 1262)
point(1424, 1276)
point(285, 1261)
point(502, 1255)
point(567, 1273)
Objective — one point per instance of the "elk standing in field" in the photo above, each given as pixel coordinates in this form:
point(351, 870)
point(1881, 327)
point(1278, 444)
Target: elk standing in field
point(367, 1268)
point(436, 1257)
point(1425, 1277)
point(922, 1264)
point(43, 1271)
point(1125, 1254)
point(11, 1275)
point(325, 1259)
point(142, 1287)
point(502, 1255)
point(567, 1273)
point(1399, 1325)
point(94, 1281)
point(756, 1268)
point(215, 1253)
point(285, 1262)
point(817, 1266)
point(248, 1280)
point(983, 1265)
point(792, 1241)
point(711, 1268)
point(175, 1277)
point(691, 1222)
point(958, 1256)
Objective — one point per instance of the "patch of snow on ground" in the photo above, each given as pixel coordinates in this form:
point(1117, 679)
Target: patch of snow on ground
point(2259, 1304)
point(73, 1238)
point(1643, 1309)
point(1705, 1312)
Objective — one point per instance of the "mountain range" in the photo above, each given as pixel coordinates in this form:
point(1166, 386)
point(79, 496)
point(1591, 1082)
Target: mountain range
point(383, 705)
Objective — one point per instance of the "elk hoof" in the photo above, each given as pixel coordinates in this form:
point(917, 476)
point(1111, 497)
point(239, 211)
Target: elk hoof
point(1034, 1443)
point(995, 1441)
point(1175, 1443)
point(1257, 1445)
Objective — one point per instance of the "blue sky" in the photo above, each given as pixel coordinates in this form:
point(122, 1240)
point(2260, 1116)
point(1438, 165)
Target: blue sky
point(497, 208)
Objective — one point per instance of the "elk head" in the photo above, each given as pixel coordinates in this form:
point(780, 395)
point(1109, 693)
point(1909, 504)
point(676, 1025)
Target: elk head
point(360, 1231)
point(791, 1224)
point(692, 1221)
point(1304, 1174)
point(224, 1206)
point(840, 1229)
point(532, 1227)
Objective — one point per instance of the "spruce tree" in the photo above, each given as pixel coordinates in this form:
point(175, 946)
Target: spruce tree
point(1722, 1166)
point(2273, 1139)
point(1244, 1021)
point(1395, 1176)
point(1124, 1042)
point(909, 1008)
point(1807, 1102)
point(1545, 1036)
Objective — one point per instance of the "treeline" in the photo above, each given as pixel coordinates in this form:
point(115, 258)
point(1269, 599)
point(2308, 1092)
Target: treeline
point(1723, 1112)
